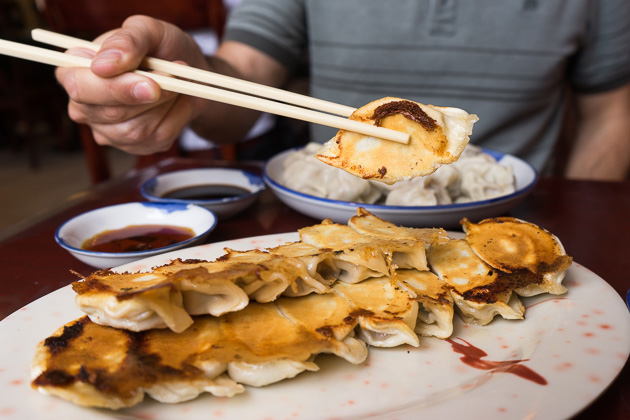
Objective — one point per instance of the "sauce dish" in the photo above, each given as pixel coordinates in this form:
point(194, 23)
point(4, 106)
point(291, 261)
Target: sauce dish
point(224, 191)
point(73, 234)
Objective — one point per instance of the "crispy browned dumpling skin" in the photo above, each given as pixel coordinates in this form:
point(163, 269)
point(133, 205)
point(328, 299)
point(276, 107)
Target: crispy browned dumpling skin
point(435, 304)
point(293, 307)
point(100, 366)
point(479, 291)
point(95, 365)
point(368, 224)
point(438, 136)
point(386, 313)
point(380, 253)
point(528, 252)
point(169, 295)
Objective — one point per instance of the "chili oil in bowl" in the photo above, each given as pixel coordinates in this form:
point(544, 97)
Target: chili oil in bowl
point(119, 234)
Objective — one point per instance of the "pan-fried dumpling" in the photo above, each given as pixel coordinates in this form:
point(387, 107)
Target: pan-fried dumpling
point(259, 275)
point(355, 258)
point(522, 248)
point(100, 366)
point(266, 335)
point(294, 263)
point(273, 311)
point(386, 313)
point(97, 366)
point(437, 136)
point(401, 253)
point(132, 301)
point(368, 224)
point(477, 289)
point(169, 295)
point(435, 304)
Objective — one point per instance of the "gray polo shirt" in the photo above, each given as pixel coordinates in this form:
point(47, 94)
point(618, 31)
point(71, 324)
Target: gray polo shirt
point(508, 61)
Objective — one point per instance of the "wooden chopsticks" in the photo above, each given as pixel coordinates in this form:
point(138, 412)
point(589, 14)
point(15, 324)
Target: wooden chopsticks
point(191, 73)
point(304, 111)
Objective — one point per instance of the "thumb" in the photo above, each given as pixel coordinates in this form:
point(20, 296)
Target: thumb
point(123, 49)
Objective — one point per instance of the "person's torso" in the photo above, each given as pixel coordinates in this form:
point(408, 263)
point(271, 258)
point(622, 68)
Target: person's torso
point(505, 61)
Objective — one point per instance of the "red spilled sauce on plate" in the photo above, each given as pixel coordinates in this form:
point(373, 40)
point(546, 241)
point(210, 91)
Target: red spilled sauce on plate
point(137, 238)
point(472, 356)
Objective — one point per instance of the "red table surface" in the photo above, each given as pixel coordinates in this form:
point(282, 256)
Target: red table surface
point(590, 218)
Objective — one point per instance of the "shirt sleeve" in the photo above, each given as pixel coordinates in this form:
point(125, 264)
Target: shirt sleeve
point(604, 61)
point(274, 27)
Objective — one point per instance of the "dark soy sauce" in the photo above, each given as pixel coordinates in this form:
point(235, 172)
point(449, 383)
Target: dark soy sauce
point(206, 192)
point(137, 238)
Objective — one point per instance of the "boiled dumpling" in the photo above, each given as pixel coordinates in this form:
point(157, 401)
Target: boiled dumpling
point(302, 172)
point(482, 177)
point(414, 192)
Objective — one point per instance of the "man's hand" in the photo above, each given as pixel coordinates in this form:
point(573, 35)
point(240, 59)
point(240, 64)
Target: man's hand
point(132, 113)
point(123, 109)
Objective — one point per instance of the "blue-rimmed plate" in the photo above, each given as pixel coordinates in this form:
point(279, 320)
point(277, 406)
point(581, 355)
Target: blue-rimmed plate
point(445, 216)
point(72, 234)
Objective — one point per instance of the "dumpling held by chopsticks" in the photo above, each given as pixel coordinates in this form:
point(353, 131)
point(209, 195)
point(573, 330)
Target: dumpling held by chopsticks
point(438, 135)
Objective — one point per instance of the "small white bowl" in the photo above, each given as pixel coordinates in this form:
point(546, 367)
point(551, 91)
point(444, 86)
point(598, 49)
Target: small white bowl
point(446, 216)
point(72, 234)
point(250, 186)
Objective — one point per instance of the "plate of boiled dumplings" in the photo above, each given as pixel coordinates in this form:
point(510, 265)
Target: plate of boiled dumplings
point(482, 183)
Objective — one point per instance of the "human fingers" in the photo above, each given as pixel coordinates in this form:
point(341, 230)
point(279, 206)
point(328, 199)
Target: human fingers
point(148, 132)
point(85, 87)
point(123, 110)
point(123, 49)
point(125, 126)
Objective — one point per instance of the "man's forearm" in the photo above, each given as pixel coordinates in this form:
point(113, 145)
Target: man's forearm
point(223, 123)
point(218, 122)
point(602, 148)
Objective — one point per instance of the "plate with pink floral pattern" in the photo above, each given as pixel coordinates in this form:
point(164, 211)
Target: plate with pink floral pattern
point(550, 365)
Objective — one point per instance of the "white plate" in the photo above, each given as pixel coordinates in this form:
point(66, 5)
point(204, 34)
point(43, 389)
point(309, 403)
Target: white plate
point(578, 343)
point(445, 216)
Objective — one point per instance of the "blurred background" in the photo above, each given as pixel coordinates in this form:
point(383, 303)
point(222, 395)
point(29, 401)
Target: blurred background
point(41, 158)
